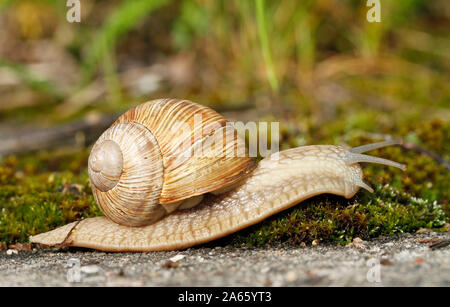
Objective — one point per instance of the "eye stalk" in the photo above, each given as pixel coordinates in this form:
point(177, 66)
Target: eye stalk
point(105, 165)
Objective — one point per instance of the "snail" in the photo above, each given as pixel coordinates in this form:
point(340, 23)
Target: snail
point(156, 195)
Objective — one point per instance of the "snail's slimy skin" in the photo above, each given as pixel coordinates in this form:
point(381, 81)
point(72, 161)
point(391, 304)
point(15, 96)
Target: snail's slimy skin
point(278, 182)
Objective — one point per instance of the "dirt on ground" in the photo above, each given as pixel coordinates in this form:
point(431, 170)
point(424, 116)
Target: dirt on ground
point(402, 260)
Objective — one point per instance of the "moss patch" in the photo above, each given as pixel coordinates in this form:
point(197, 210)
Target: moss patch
point(329, 218)
point(35, 198)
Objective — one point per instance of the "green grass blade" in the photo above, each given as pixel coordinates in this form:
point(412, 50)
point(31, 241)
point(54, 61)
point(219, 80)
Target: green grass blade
point(264, 40)
point(126, 16)
point(30, 79)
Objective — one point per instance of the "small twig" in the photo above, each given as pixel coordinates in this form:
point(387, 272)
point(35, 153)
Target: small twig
point(65, 242)
point(421, 150)
point(19, 140)
point(440, 244)
point(428, 240)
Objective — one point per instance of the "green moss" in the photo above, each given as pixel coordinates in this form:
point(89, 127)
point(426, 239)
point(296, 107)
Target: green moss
point(35, 198)
point(329, 218)
point(425, 177)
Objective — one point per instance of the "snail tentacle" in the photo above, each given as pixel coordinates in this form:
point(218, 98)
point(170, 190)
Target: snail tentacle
point(362, 184)
point(352, 158)
point(354, 155)
point(373, 146)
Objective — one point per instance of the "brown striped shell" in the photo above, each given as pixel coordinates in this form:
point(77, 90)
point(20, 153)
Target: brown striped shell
point(161, 153)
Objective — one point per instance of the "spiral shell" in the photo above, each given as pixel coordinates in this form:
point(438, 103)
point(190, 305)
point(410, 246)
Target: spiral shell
point(161, 153)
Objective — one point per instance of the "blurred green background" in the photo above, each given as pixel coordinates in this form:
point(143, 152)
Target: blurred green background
point(318, 67)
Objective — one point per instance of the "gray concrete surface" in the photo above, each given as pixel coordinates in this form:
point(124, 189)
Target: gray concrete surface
point(404, 260)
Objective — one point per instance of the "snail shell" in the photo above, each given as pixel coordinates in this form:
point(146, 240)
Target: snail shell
point(159, 154)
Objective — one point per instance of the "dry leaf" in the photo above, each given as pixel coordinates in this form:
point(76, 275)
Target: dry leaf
point(385, 261)
point(170, 264)
point(21, 246)
point(418, 260)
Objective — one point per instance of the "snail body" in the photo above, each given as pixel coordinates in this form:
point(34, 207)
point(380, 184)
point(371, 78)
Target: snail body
point(278, 182)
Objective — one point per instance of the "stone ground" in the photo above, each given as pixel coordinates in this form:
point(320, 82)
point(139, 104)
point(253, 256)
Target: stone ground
point(404, 260)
